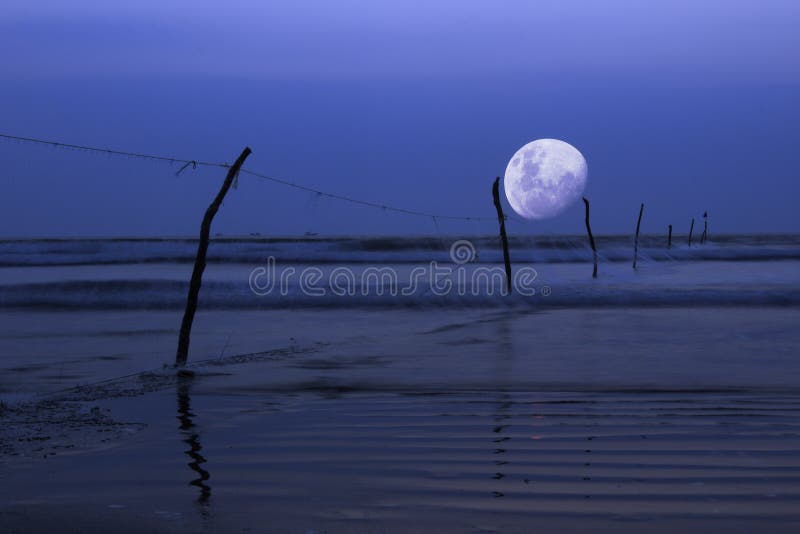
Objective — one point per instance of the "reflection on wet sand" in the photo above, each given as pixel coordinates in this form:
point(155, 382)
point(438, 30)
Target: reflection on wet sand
point(502, 419)
point(504, 403)
point(192, 439)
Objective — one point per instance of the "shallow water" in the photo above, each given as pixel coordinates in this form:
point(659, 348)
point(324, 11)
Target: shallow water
point(740, 348)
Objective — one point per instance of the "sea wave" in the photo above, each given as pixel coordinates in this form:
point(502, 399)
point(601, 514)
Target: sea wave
point(324, 250)
point(170, 294)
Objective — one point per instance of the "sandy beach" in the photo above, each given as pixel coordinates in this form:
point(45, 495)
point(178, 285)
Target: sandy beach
point(470, 421)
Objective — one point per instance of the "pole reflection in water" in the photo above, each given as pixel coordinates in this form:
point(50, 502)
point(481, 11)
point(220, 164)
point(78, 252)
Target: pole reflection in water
point(502, 421)
point(192, 439)
point(504, 402)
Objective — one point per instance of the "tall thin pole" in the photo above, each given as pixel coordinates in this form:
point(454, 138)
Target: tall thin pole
point(636, 239)
point(691, 229)
point(503, 237)
point(591, 238)
point(200, 261)
point(669, 237)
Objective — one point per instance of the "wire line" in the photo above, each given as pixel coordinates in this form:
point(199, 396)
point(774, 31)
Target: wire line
point(195, 163)
point(112, 152)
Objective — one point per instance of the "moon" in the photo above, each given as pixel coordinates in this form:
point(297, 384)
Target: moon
point(544, 177)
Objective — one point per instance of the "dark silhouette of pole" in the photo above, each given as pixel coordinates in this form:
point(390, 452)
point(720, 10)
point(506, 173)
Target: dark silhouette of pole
point(669, 237)
point(200, 261)
point(705, 228)
point(591, 238)
point(503, 237)
point(691, 230)
point(636, 239)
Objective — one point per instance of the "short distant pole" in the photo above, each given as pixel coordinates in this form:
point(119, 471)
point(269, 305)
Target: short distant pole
point(669, 237)
point(705, 228)
point(636, 239)
point(200, 261)
point(691, 230)
point(591, 238)
point(503, 237)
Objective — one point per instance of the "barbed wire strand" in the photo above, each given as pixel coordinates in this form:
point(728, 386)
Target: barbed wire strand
point(194, 163)
point(113, 152)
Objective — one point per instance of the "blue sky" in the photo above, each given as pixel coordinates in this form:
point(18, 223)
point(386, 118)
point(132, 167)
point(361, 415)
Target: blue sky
point(685, 106)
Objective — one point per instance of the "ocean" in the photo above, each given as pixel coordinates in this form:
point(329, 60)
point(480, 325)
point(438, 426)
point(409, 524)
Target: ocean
point(415, 272)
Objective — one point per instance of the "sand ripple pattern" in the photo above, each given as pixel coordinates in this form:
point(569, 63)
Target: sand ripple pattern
point(619, 456)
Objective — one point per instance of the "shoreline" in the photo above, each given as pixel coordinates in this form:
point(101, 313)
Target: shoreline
point(467, 421)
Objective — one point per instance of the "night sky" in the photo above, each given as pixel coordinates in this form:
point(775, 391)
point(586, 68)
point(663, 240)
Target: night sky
point(684, 105)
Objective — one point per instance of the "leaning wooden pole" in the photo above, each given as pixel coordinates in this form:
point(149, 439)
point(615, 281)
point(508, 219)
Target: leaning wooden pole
point(669, 237)
point(591, 238)
point(691, 230)
point(503, 237)
point(200, 261)
point(636, 239)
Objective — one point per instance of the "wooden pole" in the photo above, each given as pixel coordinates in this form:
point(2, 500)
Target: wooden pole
point(669, 237)
point(705, 228)
point(691, 229)
point(503, 237)
point(636, 239)
point(200, 261)
point(591, 238)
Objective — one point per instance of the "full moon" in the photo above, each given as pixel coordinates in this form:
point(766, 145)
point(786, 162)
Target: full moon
point(544, 177)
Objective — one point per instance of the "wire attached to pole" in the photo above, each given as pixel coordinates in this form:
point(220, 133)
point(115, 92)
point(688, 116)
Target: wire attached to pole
point(195, 163)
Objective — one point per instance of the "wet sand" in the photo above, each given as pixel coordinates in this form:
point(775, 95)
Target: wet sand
point(566, 421)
